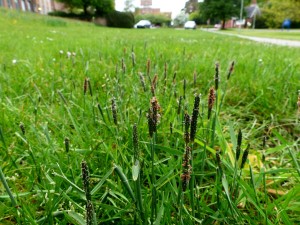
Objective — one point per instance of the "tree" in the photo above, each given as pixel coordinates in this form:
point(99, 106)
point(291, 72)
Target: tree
point(129, 6)
point(220, 9)
point(275, 11)
point(180, 19)
point(102, 7)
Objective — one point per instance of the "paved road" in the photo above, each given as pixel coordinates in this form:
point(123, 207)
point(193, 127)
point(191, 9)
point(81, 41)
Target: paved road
point(263, 40)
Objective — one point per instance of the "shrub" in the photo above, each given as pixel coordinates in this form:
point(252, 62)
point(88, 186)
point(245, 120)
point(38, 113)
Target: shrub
point(199, 19)
point(71, 15)
point(260, 23)
point(120, 19)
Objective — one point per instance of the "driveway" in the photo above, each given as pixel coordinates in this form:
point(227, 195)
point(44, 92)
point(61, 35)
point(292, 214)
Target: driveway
point(260, 39)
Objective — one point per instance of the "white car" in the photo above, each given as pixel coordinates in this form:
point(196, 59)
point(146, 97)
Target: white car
point(190, 25)
point(143, 24)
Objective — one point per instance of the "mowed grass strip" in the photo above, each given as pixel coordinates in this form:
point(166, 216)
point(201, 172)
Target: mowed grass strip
point(291, 34)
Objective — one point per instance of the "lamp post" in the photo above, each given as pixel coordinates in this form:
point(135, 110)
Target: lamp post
point(241, 13)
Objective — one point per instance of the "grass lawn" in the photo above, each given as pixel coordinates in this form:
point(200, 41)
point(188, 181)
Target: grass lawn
point(151, 126)
point(291, 34)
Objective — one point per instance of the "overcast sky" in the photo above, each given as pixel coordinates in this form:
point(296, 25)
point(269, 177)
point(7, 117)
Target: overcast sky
point(173, 6)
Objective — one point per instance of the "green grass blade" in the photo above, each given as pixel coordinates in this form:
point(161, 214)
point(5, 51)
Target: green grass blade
point(160, 213)
point(99, 185)
point(124, 181)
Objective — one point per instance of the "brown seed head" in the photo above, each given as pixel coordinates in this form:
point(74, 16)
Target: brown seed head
point(230, 70)
point(186, 168)
point(153, 84)
point(153, 115)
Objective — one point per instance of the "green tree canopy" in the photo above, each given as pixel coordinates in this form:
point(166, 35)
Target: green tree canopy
point(220, 9)
point(275, 11)
point(102, 7)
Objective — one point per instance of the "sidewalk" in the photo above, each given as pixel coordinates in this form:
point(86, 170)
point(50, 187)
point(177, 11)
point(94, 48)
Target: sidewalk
point(260, 39)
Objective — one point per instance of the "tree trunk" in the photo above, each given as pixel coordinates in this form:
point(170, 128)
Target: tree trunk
point(85, 7)
point(223, 24)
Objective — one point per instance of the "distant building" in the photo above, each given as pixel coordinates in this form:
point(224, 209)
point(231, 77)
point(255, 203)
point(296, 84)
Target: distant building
point(38, 6)
point(146, 3)
point(252, 11)
point(147, 10)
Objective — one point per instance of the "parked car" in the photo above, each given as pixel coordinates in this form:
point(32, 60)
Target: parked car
point(143, 24)
point(190, 25)
point(217, 26)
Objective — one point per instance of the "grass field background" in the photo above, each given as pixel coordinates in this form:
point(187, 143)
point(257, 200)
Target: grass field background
point(60, 82)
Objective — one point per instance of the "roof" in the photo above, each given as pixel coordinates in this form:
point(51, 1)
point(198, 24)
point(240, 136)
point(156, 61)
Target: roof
point(252, 10)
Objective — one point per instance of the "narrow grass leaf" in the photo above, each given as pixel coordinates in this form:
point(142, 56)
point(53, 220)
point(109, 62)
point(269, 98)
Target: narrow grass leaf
point(160, 212)
point(75, 218)
point(68, 181)
point(124, 181)
point(99, 185)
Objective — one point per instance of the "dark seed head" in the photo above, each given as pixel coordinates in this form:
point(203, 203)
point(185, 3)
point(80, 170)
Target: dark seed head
point(67, 144)
point(187, 122)
point(230, 70)
point(86, 179)
point(211, 101)
point(89, 212)
point(22, 127)
point(135, 142)
point(238, 146)
point(217, 76)
point(195, 118)
point(245, 156)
